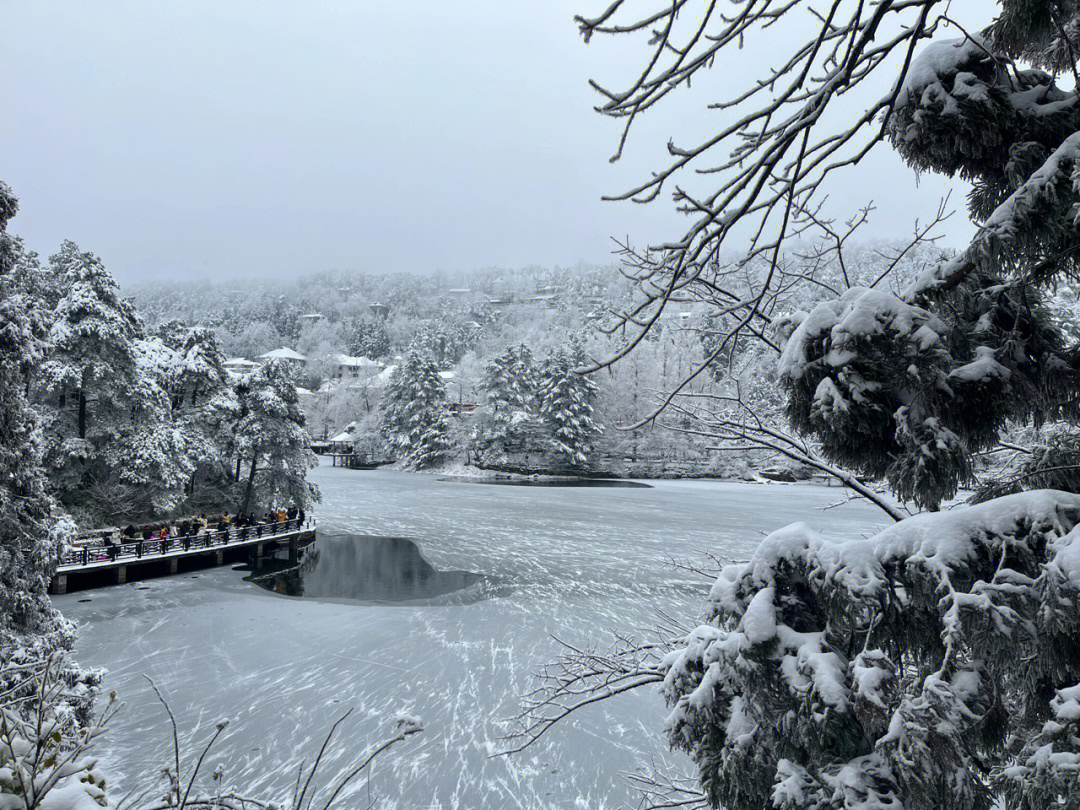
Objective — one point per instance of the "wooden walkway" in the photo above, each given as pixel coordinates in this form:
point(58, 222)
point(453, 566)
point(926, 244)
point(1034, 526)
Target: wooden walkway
point(99, 564)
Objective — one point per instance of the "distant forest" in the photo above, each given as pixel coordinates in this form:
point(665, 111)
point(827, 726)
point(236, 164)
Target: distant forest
point(463, 322)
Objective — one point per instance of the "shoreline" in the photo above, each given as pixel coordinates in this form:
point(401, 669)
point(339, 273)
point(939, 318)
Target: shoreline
point(473, 474)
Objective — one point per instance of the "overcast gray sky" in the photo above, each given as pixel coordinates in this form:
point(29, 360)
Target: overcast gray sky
point(213, 139)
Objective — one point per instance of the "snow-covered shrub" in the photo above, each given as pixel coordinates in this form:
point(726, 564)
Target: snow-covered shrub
point(932, 665)
point(46, 733)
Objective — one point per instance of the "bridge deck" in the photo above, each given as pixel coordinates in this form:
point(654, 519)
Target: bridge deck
point(98, 557)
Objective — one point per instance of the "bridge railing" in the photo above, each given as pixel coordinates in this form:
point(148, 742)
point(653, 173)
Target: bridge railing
point(158, 546)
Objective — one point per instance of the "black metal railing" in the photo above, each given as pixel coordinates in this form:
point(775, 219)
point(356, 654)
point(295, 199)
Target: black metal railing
point(159, 546)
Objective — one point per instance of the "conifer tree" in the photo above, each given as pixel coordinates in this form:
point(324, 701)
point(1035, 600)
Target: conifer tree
point(272, 442)
point(509, 381)
point(368, 338)
point(415, 411)
point(32, 528)
point(509, 422)
point(203, 409)
point(93, 383)
point(567, 400)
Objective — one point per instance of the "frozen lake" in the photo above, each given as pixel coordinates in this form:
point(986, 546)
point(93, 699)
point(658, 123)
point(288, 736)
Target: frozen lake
point(500, 570)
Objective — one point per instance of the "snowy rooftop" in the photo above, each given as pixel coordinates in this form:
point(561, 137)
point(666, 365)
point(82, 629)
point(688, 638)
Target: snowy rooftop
point(383, 376)
point(355, 362)
point(239, 362)
point(283, 353)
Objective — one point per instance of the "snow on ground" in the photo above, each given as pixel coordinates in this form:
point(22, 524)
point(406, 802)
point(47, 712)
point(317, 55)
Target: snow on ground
point(562, 561)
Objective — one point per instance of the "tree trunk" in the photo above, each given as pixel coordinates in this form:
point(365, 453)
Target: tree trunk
point(237, 476)
point(82, 414)
point(250, 487)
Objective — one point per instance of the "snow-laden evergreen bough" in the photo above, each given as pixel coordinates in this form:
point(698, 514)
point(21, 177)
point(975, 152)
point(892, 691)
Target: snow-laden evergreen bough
point(932, 665)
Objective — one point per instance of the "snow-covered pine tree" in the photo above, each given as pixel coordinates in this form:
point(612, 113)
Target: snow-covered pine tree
point(38, 284)
point(566, 401)
point(148, 456)
point(110, 448)
point(272, 442)
point(509, 432)
point(32, 528)
point(204, 410)
point(509, 381)
point(90, 385)
point(368, 338)
point(415, 411)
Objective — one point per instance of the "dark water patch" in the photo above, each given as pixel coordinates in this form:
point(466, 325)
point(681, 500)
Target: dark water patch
point(549, 482)
point(347, 567)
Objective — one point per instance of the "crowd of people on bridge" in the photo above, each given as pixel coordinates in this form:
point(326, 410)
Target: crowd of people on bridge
point(199, 525)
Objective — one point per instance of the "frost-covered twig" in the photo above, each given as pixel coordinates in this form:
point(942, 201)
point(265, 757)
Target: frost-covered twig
point(733, 419)
point(581, 677)
point(179, 794)
point(661, 786)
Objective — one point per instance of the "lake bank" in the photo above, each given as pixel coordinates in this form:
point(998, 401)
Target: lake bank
point(468, 472)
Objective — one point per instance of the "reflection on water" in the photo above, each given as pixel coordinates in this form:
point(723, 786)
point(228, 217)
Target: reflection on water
point(549, 482)
point(364, 568)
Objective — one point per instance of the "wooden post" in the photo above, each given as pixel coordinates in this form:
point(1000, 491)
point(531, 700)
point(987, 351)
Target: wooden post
point(293, 550)
point(220, 557)
point(121, 574)
point(59, 584)
point(172, 565)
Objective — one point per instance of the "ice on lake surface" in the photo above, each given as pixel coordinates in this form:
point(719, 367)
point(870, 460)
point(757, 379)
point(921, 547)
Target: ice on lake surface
point(566, 562)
